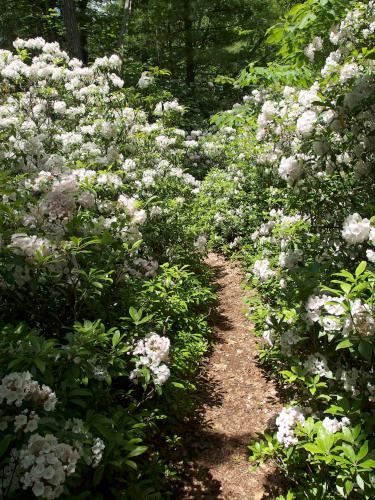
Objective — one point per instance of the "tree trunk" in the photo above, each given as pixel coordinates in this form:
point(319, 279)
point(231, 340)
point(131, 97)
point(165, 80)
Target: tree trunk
point(189, 45)
point(83, 22)
point(126, 11)
point(72, 33)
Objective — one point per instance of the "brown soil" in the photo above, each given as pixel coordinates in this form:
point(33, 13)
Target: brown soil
point(234, 403)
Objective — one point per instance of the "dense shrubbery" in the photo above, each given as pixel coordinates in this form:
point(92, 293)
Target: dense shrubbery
point(296, 202)
point(103, 221)
point(102, 297)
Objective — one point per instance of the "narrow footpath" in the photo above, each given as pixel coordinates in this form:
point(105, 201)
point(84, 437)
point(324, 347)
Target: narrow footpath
point(234, 403)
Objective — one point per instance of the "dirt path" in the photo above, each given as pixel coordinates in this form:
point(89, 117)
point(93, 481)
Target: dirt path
point(234, 402)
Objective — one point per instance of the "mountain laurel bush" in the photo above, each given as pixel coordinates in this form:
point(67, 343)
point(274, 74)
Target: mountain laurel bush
point(296, 203)
point(102, 309)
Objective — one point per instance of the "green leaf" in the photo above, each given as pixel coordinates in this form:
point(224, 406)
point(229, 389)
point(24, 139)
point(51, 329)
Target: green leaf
point(312, 448)
point(363, 451)
point(80, 392)
point(275, 36)
point(324, 440)
point(131, 464)
point(365, 349)
point(348, 487)
point(344, 344)
point(368, 464)
point(296, 9)
point(360, 482)
point(145, 319)
point(340, 489)
point(79, 402)
point(349, 452)
point(345, 287)
point(335, 410)
point(116, 338)
point(361, 268)
point(81, 496)
point(136, 245)
point(40, 364)
point(4, 444)
point(347, 434)
point(98, 474)
point(135, 315)
point(346, 274)
point(178, 385)
point(138, 450)
point(306, 20)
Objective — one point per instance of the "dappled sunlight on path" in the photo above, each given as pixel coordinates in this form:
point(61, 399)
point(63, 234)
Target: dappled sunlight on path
point(234, 402)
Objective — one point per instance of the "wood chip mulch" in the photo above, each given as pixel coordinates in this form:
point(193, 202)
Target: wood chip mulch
point(234, 402)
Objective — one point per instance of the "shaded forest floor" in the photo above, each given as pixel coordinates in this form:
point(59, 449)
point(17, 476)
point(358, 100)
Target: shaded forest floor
point(234, 402)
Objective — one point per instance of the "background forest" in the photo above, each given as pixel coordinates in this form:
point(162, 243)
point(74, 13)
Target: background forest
point(196, 41)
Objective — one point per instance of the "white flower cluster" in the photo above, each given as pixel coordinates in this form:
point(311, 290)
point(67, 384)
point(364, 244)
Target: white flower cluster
point(268, 337)
point(356, 230)
point(286, 423)
point(146, 80)
point(306, 123)
point(26, 422)
point(332, 425)
point(201, 242)
point(138, 216)
point(288, 339)
point(17, 387)
point(97, 451)
point(356, 20)
point(315, 46)
point(362, 318)
point(313, 307)
point(167, 107)
point(331, 324)
point(146, 267)
point(290, 169)
point(316, 364)
point(268, 113)
point(370, 254)
point(29, 246)
point(333, 305)
point(349, 379)
point(262, 270)
point(359, 318)
point(348, 71)
point(45, 464)
point(153, 352)
point(291, 258)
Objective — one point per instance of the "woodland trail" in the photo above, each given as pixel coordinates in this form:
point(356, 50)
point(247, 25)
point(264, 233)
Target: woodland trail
point(234, 403)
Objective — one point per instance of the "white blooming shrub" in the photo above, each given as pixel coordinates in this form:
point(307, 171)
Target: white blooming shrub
point(301, 174)
point(39, 462)
point(100, 276)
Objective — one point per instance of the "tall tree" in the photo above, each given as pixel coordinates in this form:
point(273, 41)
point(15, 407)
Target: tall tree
point(83, 23)
point(126, 11)
point(189, 43)
point(73, 37)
